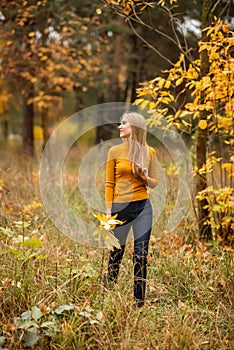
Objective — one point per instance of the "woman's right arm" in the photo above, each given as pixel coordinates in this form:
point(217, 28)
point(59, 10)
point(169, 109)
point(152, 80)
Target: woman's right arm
point(110, 182)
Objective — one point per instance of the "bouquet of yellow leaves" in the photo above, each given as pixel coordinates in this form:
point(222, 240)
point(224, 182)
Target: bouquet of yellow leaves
point(105, 230)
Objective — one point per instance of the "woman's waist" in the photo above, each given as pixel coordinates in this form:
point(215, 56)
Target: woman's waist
point(132, 207)
point(130, 197)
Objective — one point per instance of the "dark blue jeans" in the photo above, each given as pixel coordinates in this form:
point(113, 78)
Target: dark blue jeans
point(137, 215)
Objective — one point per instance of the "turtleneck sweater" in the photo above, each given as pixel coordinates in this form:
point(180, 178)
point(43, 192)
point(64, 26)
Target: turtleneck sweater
point(122, 186)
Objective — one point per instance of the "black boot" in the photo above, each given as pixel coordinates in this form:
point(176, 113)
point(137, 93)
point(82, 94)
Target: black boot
point(115, 259)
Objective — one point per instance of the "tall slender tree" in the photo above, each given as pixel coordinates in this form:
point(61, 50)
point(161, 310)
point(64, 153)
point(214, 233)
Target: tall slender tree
point(202, 137)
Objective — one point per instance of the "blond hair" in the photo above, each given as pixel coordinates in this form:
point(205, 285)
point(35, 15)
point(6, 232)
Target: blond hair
point(138, 150)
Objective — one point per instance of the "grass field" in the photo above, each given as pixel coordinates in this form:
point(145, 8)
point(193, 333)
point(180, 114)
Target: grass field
point(51, 288)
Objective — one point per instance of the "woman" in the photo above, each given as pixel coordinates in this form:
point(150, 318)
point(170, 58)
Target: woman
point(130, 170)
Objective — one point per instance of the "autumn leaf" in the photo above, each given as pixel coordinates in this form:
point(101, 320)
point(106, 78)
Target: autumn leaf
point(127, 8)
point(106, 225)
point(202, 124)
point(34, 205)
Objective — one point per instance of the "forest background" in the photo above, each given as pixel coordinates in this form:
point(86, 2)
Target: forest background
point(173, 58)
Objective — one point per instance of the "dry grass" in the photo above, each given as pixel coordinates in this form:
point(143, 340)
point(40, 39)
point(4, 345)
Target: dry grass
point(189, 293)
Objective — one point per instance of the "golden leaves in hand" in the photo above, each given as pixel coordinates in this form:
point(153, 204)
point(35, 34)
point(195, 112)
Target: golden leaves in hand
point(104, 233)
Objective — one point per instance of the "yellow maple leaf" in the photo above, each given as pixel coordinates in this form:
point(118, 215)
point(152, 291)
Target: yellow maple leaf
point(104, 233)
point(108, 223)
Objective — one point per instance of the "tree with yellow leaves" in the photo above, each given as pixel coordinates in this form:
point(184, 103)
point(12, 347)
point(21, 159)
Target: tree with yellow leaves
point(196, 94)
point(48, 49)
point(212, 109)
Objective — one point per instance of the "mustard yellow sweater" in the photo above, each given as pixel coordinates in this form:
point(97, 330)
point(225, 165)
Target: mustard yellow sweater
point(121, 184)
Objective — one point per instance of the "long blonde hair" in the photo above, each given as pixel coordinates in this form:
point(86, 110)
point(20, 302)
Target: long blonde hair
point(138, 150)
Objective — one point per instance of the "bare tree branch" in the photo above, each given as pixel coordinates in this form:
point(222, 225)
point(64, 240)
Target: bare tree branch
point(227, 6)
point(214, 5)
point(173, 20)
point(148, 44)
point(138, 20)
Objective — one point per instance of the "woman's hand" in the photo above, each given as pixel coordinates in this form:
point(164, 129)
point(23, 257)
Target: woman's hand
point(143, 173)
point(108, 213)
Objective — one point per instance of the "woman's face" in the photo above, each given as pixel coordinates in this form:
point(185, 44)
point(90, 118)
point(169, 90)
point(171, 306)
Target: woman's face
point(124, 128)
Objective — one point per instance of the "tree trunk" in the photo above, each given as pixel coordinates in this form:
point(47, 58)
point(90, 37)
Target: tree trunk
point(117, 62)
point(134, 64)
point(28, 116)
point(5, 127)
point(103, 132)
point(205, 231)
point(44, 123)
